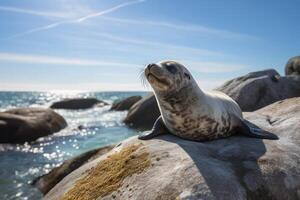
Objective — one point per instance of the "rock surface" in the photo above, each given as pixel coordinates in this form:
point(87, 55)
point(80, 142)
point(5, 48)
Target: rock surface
point(235, 168)
point(46, 182)
point(293, 66)
point(143, 114)
point(125, 104)
point(27, 124)
point(259, 89)
point(78, 103)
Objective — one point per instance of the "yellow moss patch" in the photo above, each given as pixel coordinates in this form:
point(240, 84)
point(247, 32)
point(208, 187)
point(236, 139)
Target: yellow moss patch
point(107, 176)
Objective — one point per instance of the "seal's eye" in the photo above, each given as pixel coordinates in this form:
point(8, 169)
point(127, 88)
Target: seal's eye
point(187, 75)
point(171, 68)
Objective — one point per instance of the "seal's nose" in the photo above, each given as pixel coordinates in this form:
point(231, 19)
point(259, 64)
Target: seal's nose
point(150, 65)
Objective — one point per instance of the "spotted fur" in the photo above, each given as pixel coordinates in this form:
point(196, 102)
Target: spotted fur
point(187, 111)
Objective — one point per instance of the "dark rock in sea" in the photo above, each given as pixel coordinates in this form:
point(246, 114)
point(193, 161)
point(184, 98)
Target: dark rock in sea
point(293, 66)
point(168, 167)
point(125, 104)
point(78, 103)
point(46, 182)
point(259, 89)
point(27, 124)
point(143, 113)
point(80, 127)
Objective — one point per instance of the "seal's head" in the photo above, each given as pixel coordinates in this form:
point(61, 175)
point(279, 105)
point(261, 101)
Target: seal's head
point(167, 76)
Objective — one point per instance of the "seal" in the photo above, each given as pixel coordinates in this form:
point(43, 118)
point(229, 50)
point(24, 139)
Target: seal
point(193, 114)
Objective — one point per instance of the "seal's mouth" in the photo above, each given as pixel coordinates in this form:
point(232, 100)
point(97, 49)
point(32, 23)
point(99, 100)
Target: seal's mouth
point(162, 81)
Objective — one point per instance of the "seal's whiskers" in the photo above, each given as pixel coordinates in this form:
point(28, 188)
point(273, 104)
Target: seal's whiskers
point(143, 79)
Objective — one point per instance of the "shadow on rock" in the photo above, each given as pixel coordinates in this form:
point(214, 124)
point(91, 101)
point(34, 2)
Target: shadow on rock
point(229, 166)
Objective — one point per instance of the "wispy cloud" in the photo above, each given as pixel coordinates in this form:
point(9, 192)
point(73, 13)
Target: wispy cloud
point(194, 66)
point(159, 46)
point(35, 12)
point(198, 66)
point(53, 25)
point(40, 59)
point(79, 20)
point(184, 27)
point(96, 14)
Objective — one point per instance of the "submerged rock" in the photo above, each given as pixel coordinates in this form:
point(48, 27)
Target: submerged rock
point(46, 182)
point(125, 104)
point(143, 113)
point(259, 89)
point(27, 124)
point(293, 66)
point(168, 167)
point(78, 103)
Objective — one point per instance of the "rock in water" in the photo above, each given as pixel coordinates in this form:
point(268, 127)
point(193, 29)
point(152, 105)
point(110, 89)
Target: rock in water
point(27, 124)
point(259, 89)
point(125, 104)
point(143, 114)
point(48, 181)
point(233, 168)
point(293, 66)
point(78, 103)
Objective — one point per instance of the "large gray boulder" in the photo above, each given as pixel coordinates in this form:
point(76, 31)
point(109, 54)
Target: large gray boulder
point(78, 103)
point(167, 167)
point(259, 89)
point(143, 113)
point(46, 182)
point(125, 104)
point(27, 124)
point(293, 66)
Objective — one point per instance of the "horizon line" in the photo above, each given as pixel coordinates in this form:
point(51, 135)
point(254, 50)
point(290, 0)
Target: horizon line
point(73, 91)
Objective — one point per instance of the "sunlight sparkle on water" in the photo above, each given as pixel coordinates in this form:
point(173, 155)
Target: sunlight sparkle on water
point(87, 129)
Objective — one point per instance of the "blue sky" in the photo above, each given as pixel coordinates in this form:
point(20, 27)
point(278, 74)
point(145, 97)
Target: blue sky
point(104, 44)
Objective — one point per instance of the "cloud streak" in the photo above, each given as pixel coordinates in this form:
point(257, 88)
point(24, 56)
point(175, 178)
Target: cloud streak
point(78, 20)
point(198, 66)
point(157, 45)
point(96, 14)
point(170, 25)
point(35, 12)
point(40, 59)
point(183, 27)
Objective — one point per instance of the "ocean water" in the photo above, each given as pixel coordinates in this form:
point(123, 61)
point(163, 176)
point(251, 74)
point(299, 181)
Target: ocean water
point(20, 164)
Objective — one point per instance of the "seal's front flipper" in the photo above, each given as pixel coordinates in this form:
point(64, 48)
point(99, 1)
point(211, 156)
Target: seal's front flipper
point(159, 128)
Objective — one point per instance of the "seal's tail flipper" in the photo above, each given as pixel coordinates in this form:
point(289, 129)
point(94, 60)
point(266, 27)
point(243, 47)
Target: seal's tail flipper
point(248, 129)
point(259, 133)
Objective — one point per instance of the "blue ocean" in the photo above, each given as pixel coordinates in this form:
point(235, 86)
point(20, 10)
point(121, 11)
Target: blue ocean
point(20, 164)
